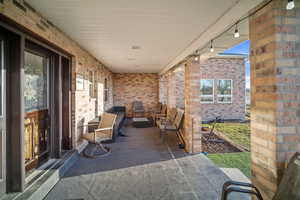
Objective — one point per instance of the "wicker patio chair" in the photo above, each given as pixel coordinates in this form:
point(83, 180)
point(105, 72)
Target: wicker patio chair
point(172, 124)
point(161, 114)
point(103, 133)
point(138, 109)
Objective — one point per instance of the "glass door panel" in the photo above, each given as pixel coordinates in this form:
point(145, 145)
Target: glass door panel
point(36, 109)
point(2, 115)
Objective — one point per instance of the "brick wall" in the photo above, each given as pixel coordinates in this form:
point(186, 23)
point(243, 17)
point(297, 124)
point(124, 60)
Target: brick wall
point(129, 87)
point(84, 107)
point(171, 88)
point(225, 68)
point(163, 89)
point(275, 96)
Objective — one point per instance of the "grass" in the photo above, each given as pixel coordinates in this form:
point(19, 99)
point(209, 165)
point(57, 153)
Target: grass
point(233, 160)
point(239, 133)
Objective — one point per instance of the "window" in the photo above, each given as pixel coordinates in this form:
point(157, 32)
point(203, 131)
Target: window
point(92, 84)
point(225, 91)
point(207, 91)
point(105, 90)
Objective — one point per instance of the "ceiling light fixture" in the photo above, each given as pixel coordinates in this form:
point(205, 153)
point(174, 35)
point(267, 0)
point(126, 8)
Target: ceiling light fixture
point(236, 31)
point(290, 5)
point(197, 56)
point(211, 46)
point(135, 47)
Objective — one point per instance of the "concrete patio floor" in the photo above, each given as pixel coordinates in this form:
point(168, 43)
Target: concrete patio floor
point(142, 167)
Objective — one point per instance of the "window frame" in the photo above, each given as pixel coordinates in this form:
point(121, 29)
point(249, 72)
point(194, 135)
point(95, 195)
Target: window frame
point(212, 95)
point(225, 95)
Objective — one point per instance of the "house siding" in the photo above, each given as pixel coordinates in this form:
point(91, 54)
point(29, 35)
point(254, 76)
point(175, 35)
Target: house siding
point(225, 68)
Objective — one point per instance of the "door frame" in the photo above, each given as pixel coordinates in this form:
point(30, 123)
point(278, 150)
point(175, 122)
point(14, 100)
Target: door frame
point(3, 60)
point(46, 55)
point(15, 167)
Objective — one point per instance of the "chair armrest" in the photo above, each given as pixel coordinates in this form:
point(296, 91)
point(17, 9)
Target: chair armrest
point(229, 187)
point(161, 115)
point(103, 129)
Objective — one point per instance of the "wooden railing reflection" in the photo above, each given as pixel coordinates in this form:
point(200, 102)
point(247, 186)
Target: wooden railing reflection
point(36, 138)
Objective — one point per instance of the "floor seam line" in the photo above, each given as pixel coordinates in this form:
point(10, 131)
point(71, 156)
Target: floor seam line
point(180, 169)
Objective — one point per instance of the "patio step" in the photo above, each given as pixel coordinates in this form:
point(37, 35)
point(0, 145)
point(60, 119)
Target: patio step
point(44, 180)
point(236, 175)
point(199, 165)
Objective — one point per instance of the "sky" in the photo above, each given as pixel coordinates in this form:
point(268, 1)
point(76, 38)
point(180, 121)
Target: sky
point(242, 48)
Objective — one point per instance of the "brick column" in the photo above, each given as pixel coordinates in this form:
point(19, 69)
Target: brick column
point(179, 86)
point(275, 98)
point(192, 119)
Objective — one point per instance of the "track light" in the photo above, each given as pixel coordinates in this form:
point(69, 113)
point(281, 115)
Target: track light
point(211, 46)
point(236, 32)
point(290, 5)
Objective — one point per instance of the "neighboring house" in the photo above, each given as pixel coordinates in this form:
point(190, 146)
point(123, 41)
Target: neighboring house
point(222, 86)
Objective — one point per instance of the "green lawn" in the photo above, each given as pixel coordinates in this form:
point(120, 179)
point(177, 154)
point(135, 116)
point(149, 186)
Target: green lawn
point(239, 133)
point(233, 160)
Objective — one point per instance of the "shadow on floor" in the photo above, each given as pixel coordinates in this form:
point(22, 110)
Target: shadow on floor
point(142, 167)
point(142, 146)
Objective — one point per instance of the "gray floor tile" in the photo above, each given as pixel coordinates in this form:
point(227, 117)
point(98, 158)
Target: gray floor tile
point(141, 167)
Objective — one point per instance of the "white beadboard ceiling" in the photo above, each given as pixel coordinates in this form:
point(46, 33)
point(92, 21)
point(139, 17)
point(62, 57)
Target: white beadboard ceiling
point(163, 31)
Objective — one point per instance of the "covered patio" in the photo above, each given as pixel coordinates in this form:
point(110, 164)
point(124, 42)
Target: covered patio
point(142, 167)
point(67, 64)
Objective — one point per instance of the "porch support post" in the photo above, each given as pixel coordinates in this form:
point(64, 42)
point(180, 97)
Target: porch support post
point(15, 136)
point(275, 96)
point(192, 118)
point(56, 108)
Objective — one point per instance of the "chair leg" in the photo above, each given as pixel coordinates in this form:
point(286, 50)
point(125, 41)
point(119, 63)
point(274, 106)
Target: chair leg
point(93, 154)
point(164, 133)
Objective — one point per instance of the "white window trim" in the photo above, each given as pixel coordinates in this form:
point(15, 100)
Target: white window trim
point(213, 94)
point(224, 95)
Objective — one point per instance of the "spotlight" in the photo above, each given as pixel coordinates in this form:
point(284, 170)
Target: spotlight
point(197, 56)
point(290, 5)
point(236, 32)
point(211, 46)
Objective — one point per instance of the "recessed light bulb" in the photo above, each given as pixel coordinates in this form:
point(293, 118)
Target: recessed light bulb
point(196, 58)
point(290, 5)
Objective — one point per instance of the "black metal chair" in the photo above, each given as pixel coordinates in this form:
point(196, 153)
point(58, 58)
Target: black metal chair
point(138, 109)
point(287, 189)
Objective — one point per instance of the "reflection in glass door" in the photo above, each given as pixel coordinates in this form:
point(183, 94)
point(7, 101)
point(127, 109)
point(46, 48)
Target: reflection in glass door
point(2, 117)
point(36, 109)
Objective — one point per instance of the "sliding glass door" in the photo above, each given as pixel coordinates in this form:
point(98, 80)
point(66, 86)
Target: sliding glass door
point(36, 100)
